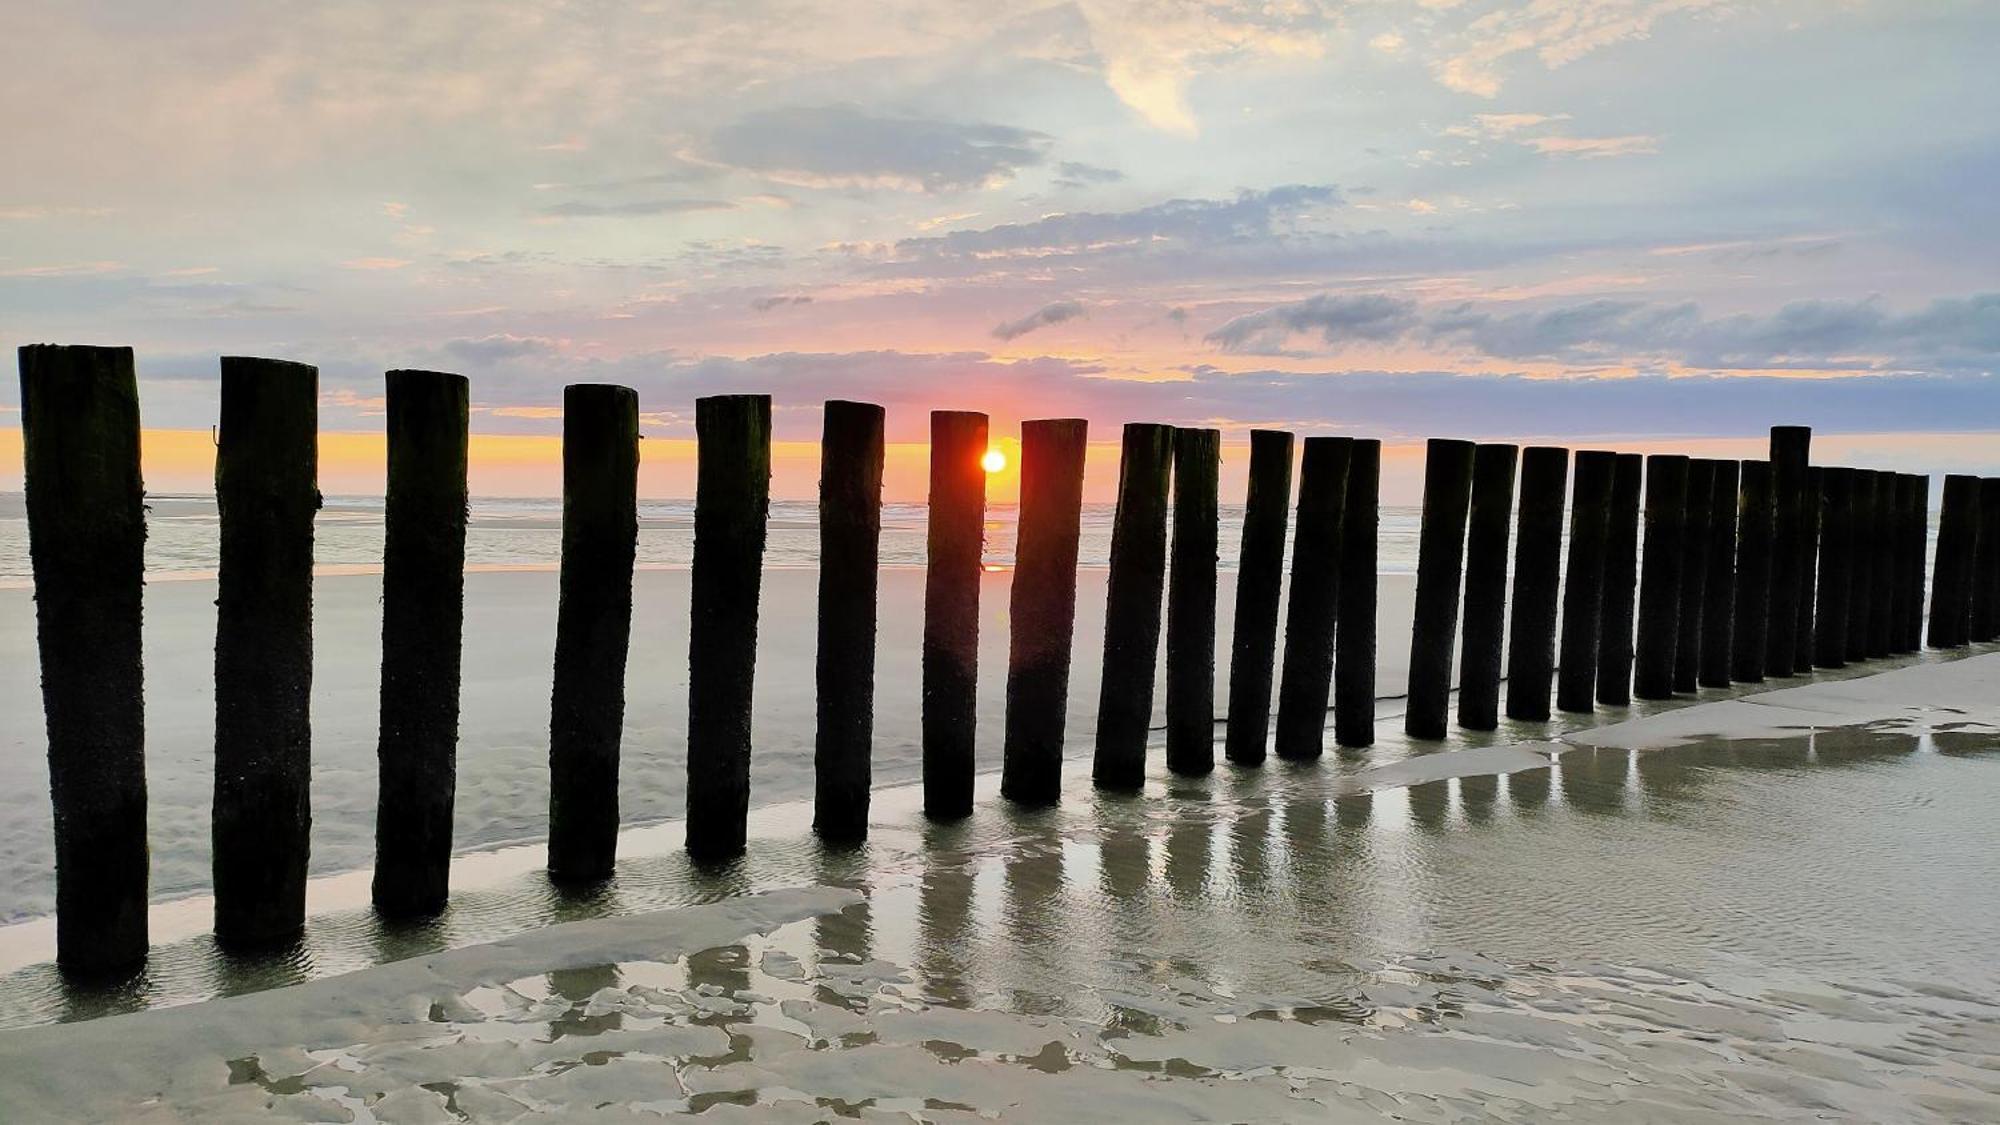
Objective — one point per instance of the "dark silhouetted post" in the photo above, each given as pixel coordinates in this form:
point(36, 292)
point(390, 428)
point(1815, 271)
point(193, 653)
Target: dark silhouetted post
point(1583, 589)
point(1719, 597)
point(423, 616)
point(1986, 564)
point(951, 609)
point(86, 541)
point(1836, 568)
point(1919, 547)
point(1440, 565)
point(1191, 604)
point(850, 540)
point(1815, 505)
point(1531, 643)
point(1951, 577)
point(1694, 574)
point(1354, 626)
point(1132, 606)
point(1042, 608)
point(1896, 581)
point(732, 498)
point(1753, 574)
point(593, 627)
point(1881, 545)
point(1621, 582)
point(1260, 571)
point(1660, 581)
point(1485, 586)
point(1861, 563)
point(1310, 619)
point(266, 491)
point(1791, 449)
point(1910, 533)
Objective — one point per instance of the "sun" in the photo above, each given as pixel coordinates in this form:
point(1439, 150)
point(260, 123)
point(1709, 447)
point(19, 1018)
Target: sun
point(993, 461)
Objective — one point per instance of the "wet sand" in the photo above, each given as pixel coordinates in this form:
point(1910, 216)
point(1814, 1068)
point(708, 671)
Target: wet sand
point(1773, 915)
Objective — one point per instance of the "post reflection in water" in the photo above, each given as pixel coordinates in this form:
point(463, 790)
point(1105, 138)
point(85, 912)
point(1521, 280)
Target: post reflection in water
point(1430, 805)
point(1594, 780)
point(1477, 796)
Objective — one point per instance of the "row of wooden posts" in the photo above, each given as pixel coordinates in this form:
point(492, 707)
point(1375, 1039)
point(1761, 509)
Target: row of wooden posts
point(1752, 569)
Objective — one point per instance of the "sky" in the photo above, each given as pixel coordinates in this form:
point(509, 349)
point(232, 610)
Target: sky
point(1614, 222)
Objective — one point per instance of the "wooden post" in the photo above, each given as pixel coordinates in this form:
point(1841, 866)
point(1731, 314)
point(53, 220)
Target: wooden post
point(1719, 598)
point(86, 544)
point(850, 539)
point(1260, 571)
point(1660, 582)
point(1911, 532)
point(1986, 565)
point(266, 492)
point(1882, 545)
point(1753, 575)
point(1861, 563)
point(423, 615)
point(593, 628)
point(1897, 581)
point(1694, 574)
point(1951, 578)
point(1836, 568)
point(1621, 582)
point(1354, 620)
point(1531, 638)
point(1440, 565)
point(1132, 607)
point(1791, 448)
point(1191, 604)
point(1311, 618)
point(1042, 608)
point(1485, 585)
point(1589, 513)
point(1809, 521)
point(951, 610)
point(732, 499)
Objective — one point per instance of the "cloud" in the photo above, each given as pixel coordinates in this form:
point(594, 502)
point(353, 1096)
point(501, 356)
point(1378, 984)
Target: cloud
point(1591, 148)
point(66, 269)
point(1071, 174)
point(584, 209)
point(499, 348)
point(1337, 320)
point(843, 146)
point(766, 304)
point(1555, 32)
point(374, 263)
point(1251, 215)
point(1054, 313)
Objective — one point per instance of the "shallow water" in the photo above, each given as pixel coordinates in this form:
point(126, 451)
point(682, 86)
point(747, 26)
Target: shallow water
point(1786, 927)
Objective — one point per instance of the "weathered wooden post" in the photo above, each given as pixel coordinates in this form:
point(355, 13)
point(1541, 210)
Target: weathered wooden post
point(1589, 512)
point(1951, 577)
point(1791, 449)
point(1440, 565)
point(423, 615)
point(1861, 563)
point(1042, 608)
point(1986, 565)
point(1718, 610)
point(266, 491)
point(1836, 568)
point(593, 627)
point(1694, 574)
point(1621, 582)
point(86, 544)
point(1191, 604)
point(1485, 585)
point(1882, 545)
point(1531, 637)
point(1354, 627)
point(1660, 580)
point(1815, 506)
point(1310, 619)
point(1753, 575)
point(732, 500)
point(1260, 571)
point(1132, 607)
point(850, 541)
point(1912, 535)
point(951, 610)
point(1897, 581)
